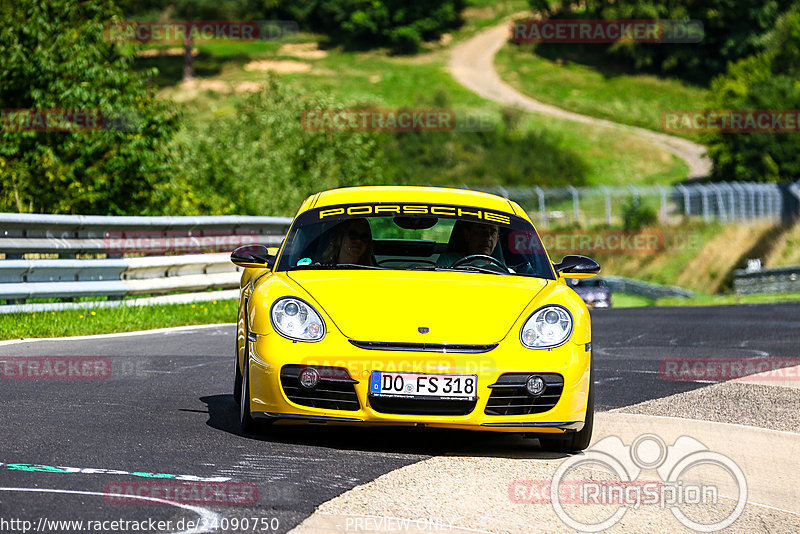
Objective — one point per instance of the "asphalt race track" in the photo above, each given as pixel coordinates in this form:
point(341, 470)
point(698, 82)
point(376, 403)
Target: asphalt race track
point(166, 409)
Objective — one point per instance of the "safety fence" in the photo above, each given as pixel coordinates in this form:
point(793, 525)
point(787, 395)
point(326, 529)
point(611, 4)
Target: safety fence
point(725, 202)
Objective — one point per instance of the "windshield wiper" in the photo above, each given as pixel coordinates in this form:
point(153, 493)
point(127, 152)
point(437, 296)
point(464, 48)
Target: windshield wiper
point(317, 265)
point(459, 268)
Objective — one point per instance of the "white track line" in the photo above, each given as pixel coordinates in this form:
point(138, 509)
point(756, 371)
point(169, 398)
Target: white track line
point(118, 334)
point(206, 521)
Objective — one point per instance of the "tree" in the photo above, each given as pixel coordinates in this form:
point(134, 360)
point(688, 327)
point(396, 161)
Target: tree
point(732, 30)
point(189, 10)
point(764, 81)
point(54, 54)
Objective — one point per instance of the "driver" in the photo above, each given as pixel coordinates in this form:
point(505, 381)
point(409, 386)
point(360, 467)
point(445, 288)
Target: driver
point(351, 244)
point(469, 238)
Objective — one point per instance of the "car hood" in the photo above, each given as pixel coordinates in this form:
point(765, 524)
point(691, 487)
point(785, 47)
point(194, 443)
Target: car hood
point(462, 308)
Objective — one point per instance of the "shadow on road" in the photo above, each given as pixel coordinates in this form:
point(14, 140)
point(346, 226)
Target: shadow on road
point(224, 415)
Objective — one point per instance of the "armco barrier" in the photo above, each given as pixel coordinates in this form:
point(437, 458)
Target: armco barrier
point(630, 286)
point(172, 255)
point(774, 280)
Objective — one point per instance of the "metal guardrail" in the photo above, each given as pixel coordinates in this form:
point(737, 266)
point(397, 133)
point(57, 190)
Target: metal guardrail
point(773, 280)
point(26, 279)
point(170, 256)
point(22, 233)
point(630, 286)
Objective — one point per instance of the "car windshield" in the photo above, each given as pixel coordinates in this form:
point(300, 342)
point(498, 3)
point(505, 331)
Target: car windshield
point(415, 237)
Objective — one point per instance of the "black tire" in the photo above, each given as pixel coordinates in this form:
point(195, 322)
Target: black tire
point(237, 382)
point(245, 419)
point(576, 441)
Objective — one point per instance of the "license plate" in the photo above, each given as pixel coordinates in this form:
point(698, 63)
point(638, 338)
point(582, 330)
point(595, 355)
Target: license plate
point(417, 385)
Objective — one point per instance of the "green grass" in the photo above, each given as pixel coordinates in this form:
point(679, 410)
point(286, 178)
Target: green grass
point(726, 300)
point(380, 80)
point(623, 300)
point(634, 99)
point(107, 320)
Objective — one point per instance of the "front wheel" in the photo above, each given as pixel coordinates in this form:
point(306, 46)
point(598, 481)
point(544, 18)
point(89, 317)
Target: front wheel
point(245, 419)
point(576, 441)
point(237, 383)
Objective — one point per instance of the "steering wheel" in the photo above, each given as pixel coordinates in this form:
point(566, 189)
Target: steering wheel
point(484, 257)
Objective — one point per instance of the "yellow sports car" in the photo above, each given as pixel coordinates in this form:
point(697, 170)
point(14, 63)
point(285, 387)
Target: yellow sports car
point(415, 306)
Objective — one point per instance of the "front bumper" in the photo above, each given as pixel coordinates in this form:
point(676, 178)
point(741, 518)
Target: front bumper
point(270, 353)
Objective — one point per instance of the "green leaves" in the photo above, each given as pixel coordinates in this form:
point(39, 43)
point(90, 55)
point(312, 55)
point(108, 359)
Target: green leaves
point(764, 81)
point(54, 56)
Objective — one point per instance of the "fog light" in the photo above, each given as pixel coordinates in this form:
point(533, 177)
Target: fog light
point(309, 378)
point(535, 385)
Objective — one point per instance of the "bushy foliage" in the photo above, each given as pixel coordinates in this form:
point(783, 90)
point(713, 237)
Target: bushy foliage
point(260, 160)
point(399, 24)
point(636, 216)
point(733, 30)
point(506, 154)
point(53, 55)
point(767, 80)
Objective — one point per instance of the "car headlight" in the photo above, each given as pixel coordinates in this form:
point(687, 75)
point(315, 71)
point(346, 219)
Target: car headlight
point(547, 327)
point(295, 319)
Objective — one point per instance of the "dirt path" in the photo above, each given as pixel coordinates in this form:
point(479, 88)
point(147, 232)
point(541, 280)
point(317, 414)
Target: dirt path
point(472, 65)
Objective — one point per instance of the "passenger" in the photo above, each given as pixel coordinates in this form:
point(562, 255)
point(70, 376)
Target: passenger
point(351, 244)
point(469, 238)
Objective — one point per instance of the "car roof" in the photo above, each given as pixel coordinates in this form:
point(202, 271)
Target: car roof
point(426, 195)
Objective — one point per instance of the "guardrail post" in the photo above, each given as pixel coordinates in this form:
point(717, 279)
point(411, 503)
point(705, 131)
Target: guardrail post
point(576, 206)
point(752, 193)
point(663, 211)
point(608, 204)
point(635, 195)
point(720, 203)
point(731, 200)
point(687, 210)
point(704, 193)
point(542, 212)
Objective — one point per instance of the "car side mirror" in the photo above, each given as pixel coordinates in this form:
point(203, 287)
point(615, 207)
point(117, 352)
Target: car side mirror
point(574, 266)
point(253, 256)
